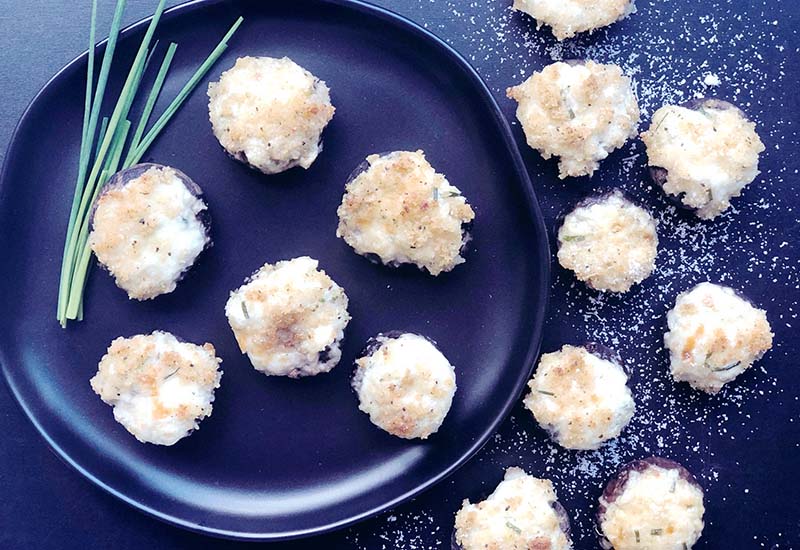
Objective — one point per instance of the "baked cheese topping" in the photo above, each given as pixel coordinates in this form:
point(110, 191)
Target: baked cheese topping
point(519, 515)
point(569, 17)
point(406, 386)
point(609, 242)
point(270, 113)
point(403, 211)
point(714, 336)
point(146, 232)
point(579, 398)
point(289, 318)
point(160, 388)
point(710, 154)
point(657, 509)
point(579, 112)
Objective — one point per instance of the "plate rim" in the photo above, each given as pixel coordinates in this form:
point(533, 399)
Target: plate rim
point(184, 9)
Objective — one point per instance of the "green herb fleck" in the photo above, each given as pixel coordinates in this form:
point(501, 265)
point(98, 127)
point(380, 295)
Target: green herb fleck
point(726, 367)
point(244, 310)
point(513, 527)
point(636, 532)
point(454, 194)
point(545, 392)
point(170, 375)
point(662, 121)
point(656, 532)
point(570, 238)
point(436, 194)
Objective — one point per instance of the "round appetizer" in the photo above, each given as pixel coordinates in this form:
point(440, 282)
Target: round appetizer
point(652, 503)
point(566, 18)
point(702, 153)
point(578, 111)
point(714, 336)
point(580, 397)
point(289, 318)
point(269, 113)
point(160, 388)
point(149, 225)
point(522, 513)
point(397, 210)
point(405, 384)
point(608, 242)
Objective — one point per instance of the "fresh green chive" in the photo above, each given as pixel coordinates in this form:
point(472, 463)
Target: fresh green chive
point(103, 128)
point(656, 532)
point(543, 392)
point(111, 141)
point(183, 94)
point(636, 532)
point(244, 310)
point(570, 238)
point(155, 90)
point(513, 527)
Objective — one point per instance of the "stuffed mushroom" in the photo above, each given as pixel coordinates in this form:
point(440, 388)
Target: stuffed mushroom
point(149, 225)
point(653, 503)
point(580, 396)
point(289, 318)
point(523, 513)
point(270, 113)
point(579, 111)
point(405, 384)
point(714, 336)
point(160, 387)
point(608, 242)
point(398, 210)
point(567, 18)
point(703, 153)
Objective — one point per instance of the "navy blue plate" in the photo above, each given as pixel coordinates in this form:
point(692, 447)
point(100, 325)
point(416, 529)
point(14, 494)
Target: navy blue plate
point(281, 458)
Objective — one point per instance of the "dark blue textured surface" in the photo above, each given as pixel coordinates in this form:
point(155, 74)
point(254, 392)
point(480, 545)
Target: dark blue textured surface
point(743, 445)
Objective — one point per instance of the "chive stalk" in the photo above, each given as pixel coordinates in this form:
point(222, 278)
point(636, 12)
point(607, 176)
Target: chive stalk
point(94, 170)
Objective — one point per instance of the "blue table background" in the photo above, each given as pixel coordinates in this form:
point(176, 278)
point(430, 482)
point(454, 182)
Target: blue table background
point(743, 445)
